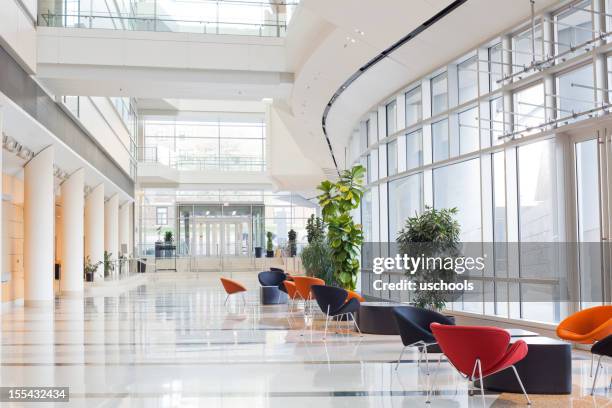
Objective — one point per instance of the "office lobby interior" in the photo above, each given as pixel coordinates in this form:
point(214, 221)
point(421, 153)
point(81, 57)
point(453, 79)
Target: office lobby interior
point(297, 203)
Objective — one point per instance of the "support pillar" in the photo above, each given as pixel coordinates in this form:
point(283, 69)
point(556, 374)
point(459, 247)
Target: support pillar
point(94, 228)
point(124, 229)
point(73, 225)
point(111, 227)
point(38, 228)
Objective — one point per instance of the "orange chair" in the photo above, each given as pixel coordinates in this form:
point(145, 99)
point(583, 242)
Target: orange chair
point(354, 295)
point(232, 287)
point(587, 326)
point(303, 285)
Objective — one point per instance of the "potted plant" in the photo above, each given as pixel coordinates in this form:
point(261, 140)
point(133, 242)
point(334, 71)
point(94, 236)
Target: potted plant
point(434, 233)
point(90, 269)
point(344, 236)
point(315, 228)
point(317, 260)
point(269, 245)
point(292, 235)
point(168, 237)
point(109, 267)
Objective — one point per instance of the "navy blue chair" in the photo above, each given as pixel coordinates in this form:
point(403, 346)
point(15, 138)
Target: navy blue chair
point(332, 302)
point(273, 269)
point(272, 288)
point(271, 278)
point(413, 326)
point(603, 348)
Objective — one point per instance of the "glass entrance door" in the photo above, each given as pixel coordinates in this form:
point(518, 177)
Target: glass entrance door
point(219, 243)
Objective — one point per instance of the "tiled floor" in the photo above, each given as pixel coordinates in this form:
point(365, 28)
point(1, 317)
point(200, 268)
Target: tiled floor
point(172, 343)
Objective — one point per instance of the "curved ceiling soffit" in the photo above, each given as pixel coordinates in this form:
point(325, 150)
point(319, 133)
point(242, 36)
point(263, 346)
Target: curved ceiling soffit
point(371, 63)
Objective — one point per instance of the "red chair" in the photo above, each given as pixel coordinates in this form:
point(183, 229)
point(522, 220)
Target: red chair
point(487, 349)
point(232, 287)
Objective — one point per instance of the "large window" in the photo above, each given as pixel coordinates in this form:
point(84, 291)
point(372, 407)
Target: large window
point(496, 121)
point(467, 75)
point(391, 109)
point(161, 216)
point(529, 109)
point(496, 67)
point(464, 195)
point(573, 27)
point(206, 145)
point(469, 139)
point(392, 158)
point(523, 53)
point(414, 149)
point(540, 227)
point(414, 106)
point(575, 92)
point(405, 200)
point(439, 140)
point(439, 94)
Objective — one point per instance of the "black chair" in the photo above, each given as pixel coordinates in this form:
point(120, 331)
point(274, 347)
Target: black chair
point(332, 302)
point(272, 287)
point(273, 269)
point(413, 326)
point(602, 348)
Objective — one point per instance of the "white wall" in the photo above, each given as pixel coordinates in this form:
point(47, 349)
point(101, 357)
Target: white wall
point(99, 117)
point(18, 31)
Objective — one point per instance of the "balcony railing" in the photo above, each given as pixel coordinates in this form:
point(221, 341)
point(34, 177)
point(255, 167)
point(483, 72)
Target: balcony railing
point(262, 19)
point(229, 163)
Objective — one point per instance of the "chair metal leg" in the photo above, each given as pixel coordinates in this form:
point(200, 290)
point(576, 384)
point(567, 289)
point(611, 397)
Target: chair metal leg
point(400, 358)
point(243, 299)
point(426, 358)
point(596, 374)
point(481, 381)
point(326, 321)
point(433, 381)
point(356, 325)
point(521, 384)
point(226, 299)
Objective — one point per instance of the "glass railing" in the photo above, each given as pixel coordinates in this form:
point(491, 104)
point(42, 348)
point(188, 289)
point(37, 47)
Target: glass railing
point(263, 19)
point(228, 163)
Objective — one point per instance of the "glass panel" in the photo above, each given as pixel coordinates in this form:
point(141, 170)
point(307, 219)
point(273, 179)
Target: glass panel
point(414, 106)
point(465, 195)
point(405, 200)
point(500, 247)
point(439, 94)
point(522, 54)
point(414, 149)
point(469, 138)
point(529, 109)
point(391, 109)
point(392, 158)
point(589, 233)
point(439, 140)
point(573, 27)
point(496, 123)
point(576, 92)
point(467, 73)
point(496, 67)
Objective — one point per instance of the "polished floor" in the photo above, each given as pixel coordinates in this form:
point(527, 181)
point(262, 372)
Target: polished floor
point(171, 342)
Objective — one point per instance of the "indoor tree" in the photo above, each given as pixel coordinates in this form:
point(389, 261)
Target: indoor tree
point(433, 233)
point(345, 237)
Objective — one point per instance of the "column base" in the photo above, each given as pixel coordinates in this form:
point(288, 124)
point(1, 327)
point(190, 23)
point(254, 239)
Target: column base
point(71, 294)
point(43, 304)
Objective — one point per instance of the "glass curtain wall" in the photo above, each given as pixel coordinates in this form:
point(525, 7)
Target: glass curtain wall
point(525, 187)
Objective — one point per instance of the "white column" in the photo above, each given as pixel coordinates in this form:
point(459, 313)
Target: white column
point(38, 228)
point(94, 227)
point(124, 228)
point(73, 226)
point(111, 226)
point(3, 255)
